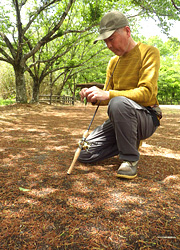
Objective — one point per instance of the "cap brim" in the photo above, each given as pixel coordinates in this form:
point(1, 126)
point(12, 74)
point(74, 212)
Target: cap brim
point(104, 35)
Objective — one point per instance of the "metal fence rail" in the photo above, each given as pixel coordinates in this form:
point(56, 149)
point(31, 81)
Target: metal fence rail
point(69, 100)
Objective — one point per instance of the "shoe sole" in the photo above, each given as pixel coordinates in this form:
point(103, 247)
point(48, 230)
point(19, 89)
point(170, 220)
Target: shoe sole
point(126, 176)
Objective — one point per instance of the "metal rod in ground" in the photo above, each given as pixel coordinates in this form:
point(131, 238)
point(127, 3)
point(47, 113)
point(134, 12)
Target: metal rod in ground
point(93, 117)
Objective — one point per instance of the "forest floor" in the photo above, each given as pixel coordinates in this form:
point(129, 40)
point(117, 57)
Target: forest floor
point(41, 207)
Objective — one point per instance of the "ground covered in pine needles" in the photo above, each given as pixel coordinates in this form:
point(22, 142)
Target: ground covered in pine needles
point(41, 207)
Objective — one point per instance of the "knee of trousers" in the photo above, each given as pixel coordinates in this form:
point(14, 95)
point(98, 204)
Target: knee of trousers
point(118, 105)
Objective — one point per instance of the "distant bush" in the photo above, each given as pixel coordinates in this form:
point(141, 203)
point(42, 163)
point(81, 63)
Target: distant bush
point(7, 101)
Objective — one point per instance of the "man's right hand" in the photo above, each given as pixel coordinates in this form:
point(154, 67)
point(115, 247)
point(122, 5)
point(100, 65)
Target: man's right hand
point(94, 94)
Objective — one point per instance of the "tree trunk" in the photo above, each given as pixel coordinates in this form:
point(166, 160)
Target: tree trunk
point(51, 87)
point(36, 85)
point(21, 95)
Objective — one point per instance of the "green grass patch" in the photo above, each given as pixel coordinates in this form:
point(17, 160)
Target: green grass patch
point(6, 102)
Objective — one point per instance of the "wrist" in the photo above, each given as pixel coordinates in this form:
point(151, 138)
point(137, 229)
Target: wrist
point(107, 95)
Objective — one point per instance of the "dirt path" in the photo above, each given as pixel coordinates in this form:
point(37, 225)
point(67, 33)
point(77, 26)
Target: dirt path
point(41, 207)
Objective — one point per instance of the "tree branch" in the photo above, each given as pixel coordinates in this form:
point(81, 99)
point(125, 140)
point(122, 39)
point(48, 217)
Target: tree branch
point(9, 45)
point(73, 66)
point(56, 56)
point(4, 60)
point(73, 31)
point(7, 57)
point(22, 3)
point(175, 6)
point(18, 19)
point(34, 16)
point(47, 37)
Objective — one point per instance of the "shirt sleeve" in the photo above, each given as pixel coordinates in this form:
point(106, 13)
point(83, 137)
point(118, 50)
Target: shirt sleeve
point(109, 85)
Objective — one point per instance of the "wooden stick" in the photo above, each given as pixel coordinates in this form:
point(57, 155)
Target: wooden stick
point(76, 155)
point(78, 151)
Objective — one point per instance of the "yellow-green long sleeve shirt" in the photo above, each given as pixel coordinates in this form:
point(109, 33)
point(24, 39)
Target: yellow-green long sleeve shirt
point(135, 76)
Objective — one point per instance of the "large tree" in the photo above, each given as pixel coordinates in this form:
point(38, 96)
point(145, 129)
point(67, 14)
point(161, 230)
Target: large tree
point(18, 55)
point(27, 40)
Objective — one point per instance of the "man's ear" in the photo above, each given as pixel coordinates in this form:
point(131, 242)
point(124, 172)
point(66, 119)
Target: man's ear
point(128, 30)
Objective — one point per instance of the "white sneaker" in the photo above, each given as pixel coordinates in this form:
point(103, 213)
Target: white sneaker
point(127, 170)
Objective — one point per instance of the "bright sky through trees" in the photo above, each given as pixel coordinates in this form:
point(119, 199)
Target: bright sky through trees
point(150, 28)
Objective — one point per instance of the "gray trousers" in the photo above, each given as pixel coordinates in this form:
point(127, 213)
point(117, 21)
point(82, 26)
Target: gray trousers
point(128, 123)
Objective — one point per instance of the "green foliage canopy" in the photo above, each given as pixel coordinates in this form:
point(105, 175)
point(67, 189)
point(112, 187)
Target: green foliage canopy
point(169, 77)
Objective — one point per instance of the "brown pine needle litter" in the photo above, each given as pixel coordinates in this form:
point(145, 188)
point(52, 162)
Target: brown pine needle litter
point(41, 207)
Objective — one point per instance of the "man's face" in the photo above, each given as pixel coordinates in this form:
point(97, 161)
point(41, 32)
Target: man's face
point(118, 42)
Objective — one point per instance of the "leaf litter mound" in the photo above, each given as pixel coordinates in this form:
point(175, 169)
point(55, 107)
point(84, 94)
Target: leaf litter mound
point(41, 207)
